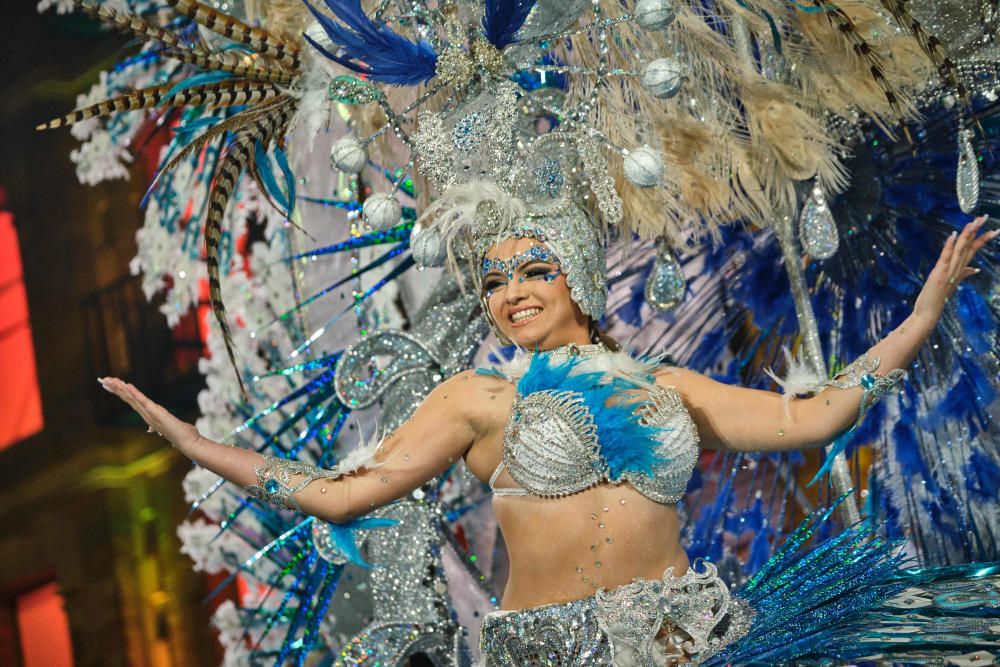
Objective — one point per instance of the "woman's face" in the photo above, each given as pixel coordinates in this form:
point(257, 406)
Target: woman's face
point(528, 298)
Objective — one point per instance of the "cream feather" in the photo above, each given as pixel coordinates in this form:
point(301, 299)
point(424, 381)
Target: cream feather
point(799, 379)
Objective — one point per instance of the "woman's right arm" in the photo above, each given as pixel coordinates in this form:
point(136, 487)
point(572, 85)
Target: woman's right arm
point(440, 431)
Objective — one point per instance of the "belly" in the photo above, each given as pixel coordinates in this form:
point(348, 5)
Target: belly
point(564, 549)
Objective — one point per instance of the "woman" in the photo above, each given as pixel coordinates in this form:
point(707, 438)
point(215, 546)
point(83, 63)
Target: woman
point(588, 468)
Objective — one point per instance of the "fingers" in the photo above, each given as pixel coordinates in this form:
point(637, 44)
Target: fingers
point(964, 248)
point(135, 399)
point(961, 245)
point(948, 251)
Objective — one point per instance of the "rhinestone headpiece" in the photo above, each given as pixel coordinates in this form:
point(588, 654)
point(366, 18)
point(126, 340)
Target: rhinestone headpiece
point(500, 180)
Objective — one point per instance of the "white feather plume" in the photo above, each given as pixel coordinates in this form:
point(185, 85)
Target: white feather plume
point(799, 379)
point(362, 456)
point(612, 365)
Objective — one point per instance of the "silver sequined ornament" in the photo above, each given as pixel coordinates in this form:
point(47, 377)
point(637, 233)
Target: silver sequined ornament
point(967, 173)
point(325, 544)
point(427, 247)
point(654, 14)
point(663, 77)
point(348, 155)
point(644, 167)
point(382, 211)
point(665, 286)
point(817, 228)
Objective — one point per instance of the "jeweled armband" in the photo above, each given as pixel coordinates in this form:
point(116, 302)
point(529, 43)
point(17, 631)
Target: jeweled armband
point(861, 372)
point(274, 480)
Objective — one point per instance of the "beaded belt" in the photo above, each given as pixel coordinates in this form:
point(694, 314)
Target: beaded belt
point(646, 623)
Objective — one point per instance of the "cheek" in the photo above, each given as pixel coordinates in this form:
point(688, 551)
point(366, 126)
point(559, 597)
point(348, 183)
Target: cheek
point(495, 304)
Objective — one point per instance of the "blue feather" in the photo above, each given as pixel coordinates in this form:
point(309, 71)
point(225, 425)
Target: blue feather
point(343, 536)
point(977, 320)
point(286, 171)
point(263, 164)
point(982, 476)
point(373, 49)
point(626, 445)
point(908, 455)
point(192, 81)
point(503, 18)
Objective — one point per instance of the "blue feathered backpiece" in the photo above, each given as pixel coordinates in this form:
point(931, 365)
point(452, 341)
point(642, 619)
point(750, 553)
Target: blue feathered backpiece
point(503, 18)
point(373, 49)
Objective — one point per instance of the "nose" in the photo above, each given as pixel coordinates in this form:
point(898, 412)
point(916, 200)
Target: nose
point(515, 291)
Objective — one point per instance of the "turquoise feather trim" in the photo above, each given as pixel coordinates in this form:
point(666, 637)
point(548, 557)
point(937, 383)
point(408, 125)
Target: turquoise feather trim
point(626, 444)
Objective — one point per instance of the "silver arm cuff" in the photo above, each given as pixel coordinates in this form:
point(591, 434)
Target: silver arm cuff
point(861, 372)
point(274, 480)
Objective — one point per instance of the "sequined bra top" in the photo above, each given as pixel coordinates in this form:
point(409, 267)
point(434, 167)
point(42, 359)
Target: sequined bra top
point(570, 428)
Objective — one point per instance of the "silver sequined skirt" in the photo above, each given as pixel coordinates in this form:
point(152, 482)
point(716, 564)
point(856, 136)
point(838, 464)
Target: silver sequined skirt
point(644, 623)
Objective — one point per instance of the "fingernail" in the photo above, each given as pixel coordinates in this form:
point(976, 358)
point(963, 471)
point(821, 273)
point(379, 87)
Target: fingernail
point(954, 233)
point(974, 271)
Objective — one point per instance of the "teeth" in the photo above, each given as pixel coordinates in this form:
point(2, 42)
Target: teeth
point(524, 314)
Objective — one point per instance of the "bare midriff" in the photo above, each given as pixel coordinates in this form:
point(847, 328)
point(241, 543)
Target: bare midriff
point(564, 549)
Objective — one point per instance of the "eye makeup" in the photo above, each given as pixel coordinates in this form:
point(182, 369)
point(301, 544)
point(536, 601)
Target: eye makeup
point(495, 271)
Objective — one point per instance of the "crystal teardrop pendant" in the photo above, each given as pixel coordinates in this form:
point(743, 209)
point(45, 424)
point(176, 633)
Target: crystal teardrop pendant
point(967, 173)
point(817, 228)
point(665, 286)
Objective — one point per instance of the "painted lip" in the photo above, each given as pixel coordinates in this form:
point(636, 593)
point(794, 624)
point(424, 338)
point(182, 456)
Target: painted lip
point(521, 323)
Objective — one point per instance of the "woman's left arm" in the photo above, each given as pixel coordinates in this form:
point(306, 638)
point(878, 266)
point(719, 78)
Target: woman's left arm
point(743, 419)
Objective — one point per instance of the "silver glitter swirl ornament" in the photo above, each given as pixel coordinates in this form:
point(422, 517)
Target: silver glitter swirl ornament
point(427, 247)
point(663, 77)
point(382, 211)
point(817, 228)
point(665, 286)
point(654, 14)
point(348, 155)
point(644, 167)
point(967, 173)
point(370, 366)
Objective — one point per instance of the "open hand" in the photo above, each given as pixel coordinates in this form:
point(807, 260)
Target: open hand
point(952, 268)
point(180, 434)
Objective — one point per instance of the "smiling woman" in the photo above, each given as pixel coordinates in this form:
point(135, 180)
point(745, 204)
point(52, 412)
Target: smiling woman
point(527, 297)
point(589, 450)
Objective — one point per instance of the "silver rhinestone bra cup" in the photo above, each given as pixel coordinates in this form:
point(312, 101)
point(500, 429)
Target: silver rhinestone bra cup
point(551, 447)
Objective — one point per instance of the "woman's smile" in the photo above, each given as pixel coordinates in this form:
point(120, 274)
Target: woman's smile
point(523, 315)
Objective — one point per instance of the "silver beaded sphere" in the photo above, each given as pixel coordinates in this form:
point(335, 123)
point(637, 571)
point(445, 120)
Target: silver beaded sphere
point(428, 247)
point(382, 211)
point(348, 155)
point(663, 77)
point(644, 167)
point(654, 14)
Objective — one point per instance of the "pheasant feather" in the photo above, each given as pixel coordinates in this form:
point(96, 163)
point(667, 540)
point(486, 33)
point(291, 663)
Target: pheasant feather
point(258, 39)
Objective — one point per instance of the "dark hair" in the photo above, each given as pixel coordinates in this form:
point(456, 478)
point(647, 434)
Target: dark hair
point(598, 336)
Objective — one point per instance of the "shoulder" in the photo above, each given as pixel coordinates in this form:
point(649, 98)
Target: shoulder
point(691, 385)
point(473, 381)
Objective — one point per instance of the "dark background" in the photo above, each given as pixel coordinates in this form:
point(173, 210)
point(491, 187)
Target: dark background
point(91, 502)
